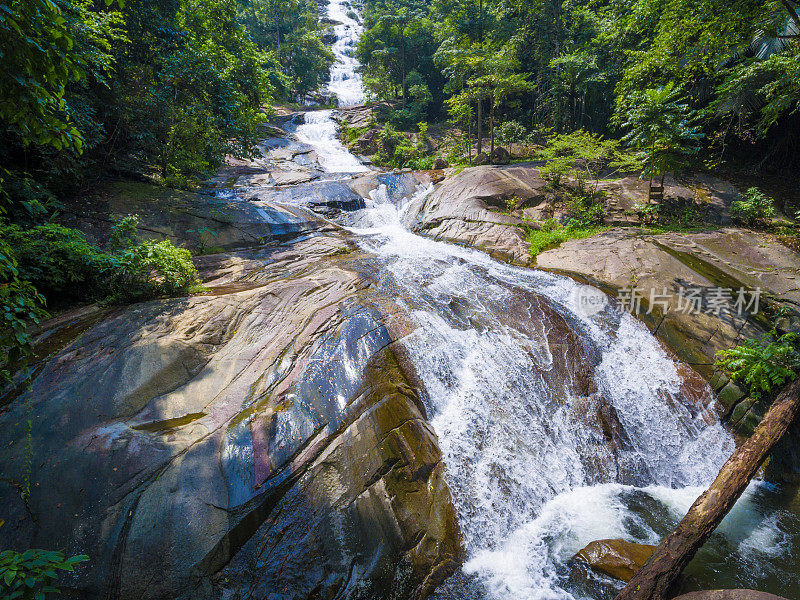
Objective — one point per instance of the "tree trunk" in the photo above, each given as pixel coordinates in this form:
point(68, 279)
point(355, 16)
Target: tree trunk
point(654, 579)
point(403, 84)
point(469, 134)
point(491, 129)
point(479, 127)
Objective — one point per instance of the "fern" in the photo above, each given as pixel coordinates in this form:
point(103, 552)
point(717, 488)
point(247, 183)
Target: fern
point(762, 365)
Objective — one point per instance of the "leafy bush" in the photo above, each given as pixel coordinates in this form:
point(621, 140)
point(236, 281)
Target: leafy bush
point(763, 365)
point(65, 268)
point(398, 151)
point(59, 262)
point(510, 133)
point(584, 212)
point(32, 575)
point(648, 212)
point(20, 306)
point(148, 269)
point(669, 216)
point(578, 155)
point(513, 203)
point(24, 199)
point(349, 134)
point(756, 207)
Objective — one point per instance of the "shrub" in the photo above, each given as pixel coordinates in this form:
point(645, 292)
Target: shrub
point(669, 216)
point(32, 575)
point(65, 268)
point(584, 212)
point(579, 156)
point(763, 365)
point(510, 133)
point(349, 134)
point(20, 305)
point(648, 212)
point(756, 207)
point(397, 150)
point(59, 262)
point(551, 234)
point(148, 269)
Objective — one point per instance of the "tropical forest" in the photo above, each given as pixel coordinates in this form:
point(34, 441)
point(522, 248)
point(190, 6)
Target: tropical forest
point(399, 300)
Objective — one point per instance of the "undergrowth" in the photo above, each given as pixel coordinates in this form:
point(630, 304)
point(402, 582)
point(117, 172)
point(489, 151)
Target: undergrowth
point(765, 364)
point(551, 234)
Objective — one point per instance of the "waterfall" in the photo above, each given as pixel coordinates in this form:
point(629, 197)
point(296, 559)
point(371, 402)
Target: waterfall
point(345, 81)
point(557, 427)
point(516, 377)
point(319, 131)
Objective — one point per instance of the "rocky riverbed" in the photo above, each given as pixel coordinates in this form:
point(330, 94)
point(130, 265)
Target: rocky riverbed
point(271, 435)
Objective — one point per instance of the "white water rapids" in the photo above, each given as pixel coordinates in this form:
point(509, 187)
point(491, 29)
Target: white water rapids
point(556, 428)
point(345, 82)
point(531, 474)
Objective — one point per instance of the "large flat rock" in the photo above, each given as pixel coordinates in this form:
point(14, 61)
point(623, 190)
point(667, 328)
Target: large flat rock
point(661, 266)
point(732, 259)
point(257, 439)
point(467, 208)
point(471, 208)
point(189, 219)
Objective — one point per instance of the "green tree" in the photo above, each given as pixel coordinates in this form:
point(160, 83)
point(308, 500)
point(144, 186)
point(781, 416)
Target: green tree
point(510, 133)
point(660, 128)
point(580, 156)
point(42, 53)
point(290, 31)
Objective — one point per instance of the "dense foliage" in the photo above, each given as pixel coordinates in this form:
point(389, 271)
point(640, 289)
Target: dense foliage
point(59, 262)
point(763, 365)
point(164, 87)
point(33, 574)
point(156, 88)
point(666, 73)
point(755, 208)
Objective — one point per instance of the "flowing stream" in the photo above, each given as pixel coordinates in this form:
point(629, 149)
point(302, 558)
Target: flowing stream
point(557, 427)
point(345, 82)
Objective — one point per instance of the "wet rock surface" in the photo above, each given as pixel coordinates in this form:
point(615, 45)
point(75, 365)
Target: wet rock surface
point(473, 207)
point(466, 209)
point(729, 595)
point(665, 264)
point(180, 442)
point(197, 221)
point(617, 558)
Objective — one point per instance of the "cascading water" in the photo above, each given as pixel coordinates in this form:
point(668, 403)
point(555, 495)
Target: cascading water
point(319, 130)
point(345, 81)
point(557, 427)
point(516, 379)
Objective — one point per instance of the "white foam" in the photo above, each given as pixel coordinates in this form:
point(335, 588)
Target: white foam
point(345, 80)
point(319, 131)
point(531, 476)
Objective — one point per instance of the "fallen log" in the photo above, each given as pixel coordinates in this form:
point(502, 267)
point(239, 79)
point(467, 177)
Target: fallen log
point(653, 580)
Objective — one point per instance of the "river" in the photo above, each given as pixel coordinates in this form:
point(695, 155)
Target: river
point(557, 427)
